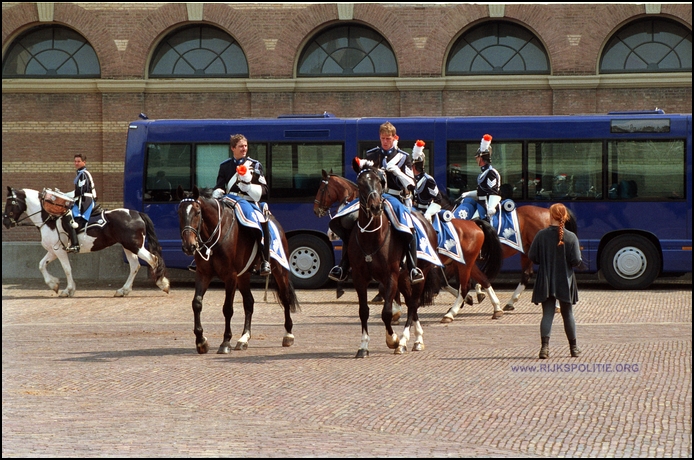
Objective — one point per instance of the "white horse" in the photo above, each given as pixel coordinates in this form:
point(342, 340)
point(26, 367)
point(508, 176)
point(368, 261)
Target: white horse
point(124, 226)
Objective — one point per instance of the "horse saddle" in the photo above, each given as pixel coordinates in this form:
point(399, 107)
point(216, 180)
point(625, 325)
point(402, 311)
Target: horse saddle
point(505, 221)
point(448, 241)
point(97, 219)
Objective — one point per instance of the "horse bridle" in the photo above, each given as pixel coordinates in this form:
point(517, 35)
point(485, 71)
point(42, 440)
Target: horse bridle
point(323, 192)
point(196, 231)
point(14, 202)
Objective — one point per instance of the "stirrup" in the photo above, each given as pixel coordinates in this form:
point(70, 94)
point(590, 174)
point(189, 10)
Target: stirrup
point(72, 249)
point(337, 274)
point(416, 275)
point(265, 269)
point(192, 267)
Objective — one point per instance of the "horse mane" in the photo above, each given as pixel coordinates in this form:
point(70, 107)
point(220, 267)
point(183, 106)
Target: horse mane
point(205, 192)
point(353, 184)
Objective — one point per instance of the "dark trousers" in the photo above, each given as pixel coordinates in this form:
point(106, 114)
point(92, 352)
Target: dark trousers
point(567, 315)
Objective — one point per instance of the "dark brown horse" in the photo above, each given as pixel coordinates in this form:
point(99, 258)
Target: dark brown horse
point(224, 248)
point(133, 230)
point(478, 240)
point(376, 251)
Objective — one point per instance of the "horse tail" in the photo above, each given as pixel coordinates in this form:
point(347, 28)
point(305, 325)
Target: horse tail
point(432, 286)
point(154, 248)
point(571, 224)
point(492, 253)
point(285, 296)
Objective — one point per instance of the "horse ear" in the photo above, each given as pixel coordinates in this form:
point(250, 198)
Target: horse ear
point(9, 191)
point(196, 192)
point(325, 174)
point(179, 193)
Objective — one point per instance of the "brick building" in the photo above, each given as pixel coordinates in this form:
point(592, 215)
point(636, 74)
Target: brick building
point(415, 59)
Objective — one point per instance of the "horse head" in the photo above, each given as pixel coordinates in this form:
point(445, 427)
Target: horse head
point(15, 206)
point(370, 184)
point(189, 220)
point(324, 197)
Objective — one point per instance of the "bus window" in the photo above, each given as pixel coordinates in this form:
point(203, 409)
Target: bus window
point(566, 170)
point(209, 156)
point(295, 169)
point(167, 167)
point(646, 169)
point(507, 158)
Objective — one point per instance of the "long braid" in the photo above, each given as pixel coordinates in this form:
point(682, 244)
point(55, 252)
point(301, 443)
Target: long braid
point(559, 213)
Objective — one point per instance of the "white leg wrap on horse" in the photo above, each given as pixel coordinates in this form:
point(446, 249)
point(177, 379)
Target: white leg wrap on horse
point(493, 298)
point(244, 338)
point(456, 306)
point(364, 341)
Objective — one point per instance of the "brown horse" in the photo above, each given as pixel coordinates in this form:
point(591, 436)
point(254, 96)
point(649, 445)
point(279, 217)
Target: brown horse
point(376, 251)
point(224, 248)
point(531, 219)
point(482, 251)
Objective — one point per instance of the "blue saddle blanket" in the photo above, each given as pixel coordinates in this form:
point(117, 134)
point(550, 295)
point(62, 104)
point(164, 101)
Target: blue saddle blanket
point(448, 240)
point(402, 221)
point(505, 223)
point(249, 215)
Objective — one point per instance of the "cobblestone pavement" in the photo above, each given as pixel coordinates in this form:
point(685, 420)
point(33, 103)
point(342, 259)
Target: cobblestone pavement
point(111, 377)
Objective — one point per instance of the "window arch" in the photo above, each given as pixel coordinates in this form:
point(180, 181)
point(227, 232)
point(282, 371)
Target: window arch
point(648, 45)
point(51, 52)
point(497, 47)
point(198, 51)
point(347, 51)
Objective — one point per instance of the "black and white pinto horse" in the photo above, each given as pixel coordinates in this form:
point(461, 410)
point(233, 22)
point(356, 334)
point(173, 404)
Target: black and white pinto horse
point(124, 226)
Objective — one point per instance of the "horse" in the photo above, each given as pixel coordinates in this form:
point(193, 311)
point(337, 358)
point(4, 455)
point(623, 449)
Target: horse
point(478, 241)
point(129, 228)
point(531, 219)
point(224, 248)
point(376, 252)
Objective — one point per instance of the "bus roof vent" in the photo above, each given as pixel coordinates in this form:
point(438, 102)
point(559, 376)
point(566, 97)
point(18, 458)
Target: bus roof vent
point(655, 111)
point(315, 115)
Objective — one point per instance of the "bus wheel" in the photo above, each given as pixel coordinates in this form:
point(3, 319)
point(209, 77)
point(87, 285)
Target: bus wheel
point(310, 261)
point(630, 262)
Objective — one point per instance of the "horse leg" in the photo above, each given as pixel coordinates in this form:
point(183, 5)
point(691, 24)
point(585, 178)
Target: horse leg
point(463, 289)
point(363, 351)
point(453, 311)
point(498, 312)
point(152, 260)
point(51, 281)
point(397, 310)
point(201, 285)
point(480, 295)
point(248, 302)
point(134, 268)
point(69, 291)
point(525, 278)
point(389, 292)
point(289, 302)
point(419, 336)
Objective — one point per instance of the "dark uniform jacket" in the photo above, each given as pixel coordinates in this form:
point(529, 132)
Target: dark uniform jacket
point(555, 276)
point(488, 181)
point(425, 191)
point(381, 158)
point(85, 191)
point(227, 172)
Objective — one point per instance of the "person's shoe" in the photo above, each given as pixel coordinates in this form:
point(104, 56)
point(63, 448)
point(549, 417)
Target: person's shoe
point(575, 351)
point(72, 249)
point(337, 274)
point(544, 352)
point(192, 267)
point(265, 269)
point(416, 275)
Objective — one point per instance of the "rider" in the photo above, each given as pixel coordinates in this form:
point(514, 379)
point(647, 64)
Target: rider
point(399, 177)
point(249, 185)
point(427, 196)
point(487, 197)
point(85, 198)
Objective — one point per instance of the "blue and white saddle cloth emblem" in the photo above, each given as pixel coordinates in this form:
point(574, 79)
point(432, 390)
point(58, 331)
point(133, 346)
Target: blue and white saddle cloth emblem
point(505, 223)
point(249, 215)
point(448, 241)
point(402, 221)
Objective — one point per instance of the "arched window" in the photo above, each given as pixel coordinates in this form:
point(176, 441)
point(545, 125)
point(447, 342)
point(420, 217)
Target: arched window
point(50, 52)
point(347, 50)
point(497, 48)
point(649, 45)
point(198, 51)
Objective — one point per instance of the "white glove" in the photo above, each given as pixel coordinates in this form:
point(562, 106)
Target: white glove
point(393, 169)
point(471, 194)
point(246, 177)
point(431, 210)
point(218, 193)
point(492, 203)
point(244, 186)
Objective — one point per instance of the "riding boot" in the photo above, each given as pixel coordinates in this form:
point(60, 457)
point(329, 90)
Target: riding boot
point(265, 264)
point(416, 275)
point(544, 351)
point(341, 272)
point(74, 241)
point(575, 351)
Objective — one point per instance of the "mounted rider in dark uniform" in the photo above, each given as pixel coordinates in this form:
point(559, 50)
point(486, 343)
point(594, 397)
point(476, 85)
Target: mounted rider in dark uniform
point(487, 197)
point(427, 196)
point(85, 199)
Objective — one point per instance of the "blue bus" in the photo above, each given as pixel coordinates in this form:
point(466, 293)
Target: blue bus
point(627, 176)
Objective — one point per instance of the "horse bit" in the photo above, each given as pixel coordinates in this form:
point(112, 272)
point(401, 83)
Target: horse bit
point(196, 232)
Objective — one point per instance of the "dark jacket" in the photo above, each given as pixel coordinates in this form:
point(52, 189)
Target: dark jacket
point(555, 275)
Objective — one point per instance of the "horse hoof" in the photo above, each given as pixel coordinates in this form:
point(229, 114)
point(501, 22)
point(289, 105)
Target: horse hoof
point(401, 350)
point(119, 293)
point(288, 341)
point(362, 353)
point(498, 314)
point(203, 347)
point(241, 346)
point(340, 293)
point(418, 346)
point(392, 341)
point(446, 320)
point(480, 298)
point(468, 300)
point(509, 308)
point(394, 322)
point(224, 349)
point(396, 317)
point(377, 299)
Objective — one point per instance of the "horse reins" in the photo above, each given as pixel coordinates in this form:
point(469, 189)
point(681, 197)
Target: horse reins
point(196, 232)
point(15, 223)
